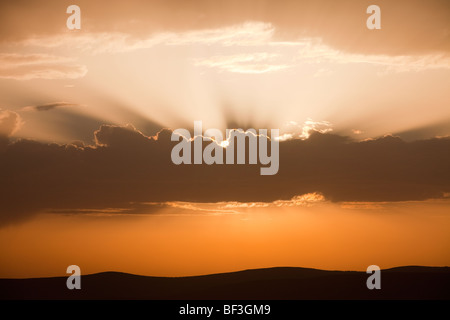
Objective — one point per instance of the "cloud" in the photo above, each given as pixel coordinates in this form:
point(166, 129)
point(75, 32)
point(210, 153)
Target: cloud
point(408, 26)
point(245, 34)
point(234, 207)
point(39, 66)
point(304, 200)
point(293, 130)
point(314, 51)
point(252, 36)
point(127, 167)
point(49, 106)
point(49, 72)
point(252, 63)
point(317, 32)
point(12, 60)
point(251, 33)
point(10, 122)
point(126, 137)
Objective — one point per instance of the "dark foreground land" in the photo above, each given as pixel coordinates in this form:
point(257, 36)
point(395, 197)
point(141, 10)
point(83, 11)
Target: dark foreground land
point(271, 283)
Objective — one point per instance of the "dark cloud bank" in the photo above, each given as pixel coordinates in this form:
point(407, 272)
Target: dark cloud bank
point(126, 166)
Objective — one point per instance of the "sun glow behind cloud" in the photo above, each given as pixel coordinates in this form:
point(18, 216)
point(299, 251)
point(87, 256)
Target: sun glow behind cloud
point(174, 78)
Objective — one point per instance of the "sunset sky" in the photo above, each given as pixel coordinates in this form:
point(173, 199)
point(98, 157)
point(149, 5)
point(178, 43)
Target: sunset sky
point(86, 117)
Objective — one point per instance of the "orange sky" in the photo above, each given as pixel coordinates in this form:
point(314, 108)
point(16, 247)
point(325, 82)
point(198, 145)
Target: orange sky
point(177, 242)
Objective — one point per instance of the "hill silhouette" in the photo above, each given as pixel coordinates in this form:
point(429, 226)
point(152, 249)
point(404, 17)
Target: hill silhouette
point(286, 283)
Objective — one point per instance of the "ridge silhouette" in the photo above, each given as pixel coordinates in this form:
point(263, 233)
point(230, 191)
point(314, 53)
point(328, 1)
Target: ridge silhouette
point(279, 283)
